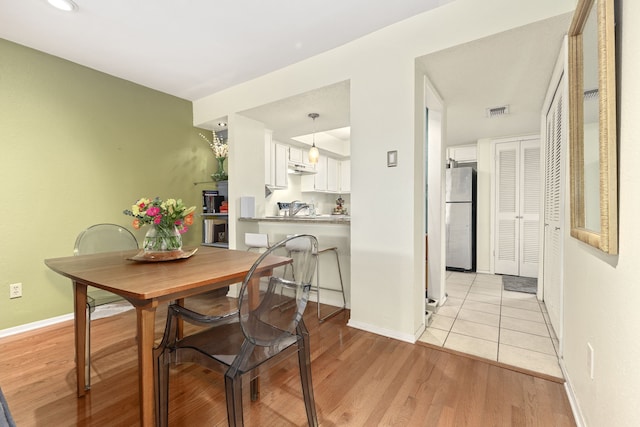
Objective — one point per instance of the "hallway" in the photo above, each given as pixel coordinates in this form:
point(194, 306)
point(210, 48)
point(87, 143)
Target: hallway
point(482, 319)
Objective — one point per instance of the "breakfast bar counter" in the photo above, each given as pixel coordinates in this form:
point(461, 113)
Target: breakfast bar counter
point(330, 230)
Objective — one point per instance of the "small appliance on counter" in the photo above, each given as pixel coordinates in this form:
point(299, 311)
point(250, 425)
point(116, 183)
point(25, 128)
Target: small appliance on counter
point(339, 209)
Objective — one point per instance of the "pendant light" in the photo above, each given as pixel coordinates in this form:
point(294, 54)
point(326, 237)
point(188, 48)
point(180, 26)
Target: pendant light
point(314, 154)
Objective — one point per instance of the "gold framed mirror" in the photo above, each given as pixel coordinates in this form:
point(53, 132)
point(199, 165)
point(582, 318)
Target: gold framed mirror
point(592, 125)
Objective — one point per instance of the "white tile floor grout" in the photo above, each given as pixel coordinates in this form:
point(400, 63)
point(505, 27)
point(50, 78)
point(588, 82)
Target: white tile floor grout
point(482, 319)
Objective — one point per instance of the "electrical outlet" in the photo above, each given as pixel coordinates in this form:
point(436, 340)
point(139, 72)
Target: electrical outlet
point(15, 290)
point(590, 356)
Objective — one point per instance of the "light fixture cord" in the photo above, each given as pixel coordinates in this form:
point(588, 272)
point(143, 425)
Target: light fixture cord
point(314, 116)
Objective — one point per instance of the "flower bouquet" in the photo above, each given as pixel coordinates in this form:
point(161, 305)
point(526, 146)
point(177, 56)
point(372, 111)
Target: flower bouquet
point(169, 220)
point(220, 151)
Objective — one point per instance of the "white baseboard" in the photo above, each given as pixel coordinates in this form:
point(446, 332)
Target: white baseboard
point(573, 401)
point(381, 331)
point(35, 325)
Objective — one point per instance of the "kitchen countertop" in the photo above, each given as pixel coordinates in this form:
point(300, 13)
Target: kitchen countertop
point(319, 219)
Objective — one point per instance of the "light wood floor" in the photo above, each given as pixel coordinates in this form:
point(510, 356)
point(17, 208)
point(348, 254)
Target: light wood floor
point(360, 379)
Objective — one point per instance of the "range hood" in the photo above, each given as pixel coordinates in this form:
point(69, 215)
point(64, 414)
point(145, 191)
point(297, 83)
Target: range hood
point(297, 168)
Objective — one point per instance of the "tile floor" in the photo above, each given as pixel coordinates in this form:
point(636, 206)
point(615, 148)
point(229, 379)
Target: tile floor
point(482, 319)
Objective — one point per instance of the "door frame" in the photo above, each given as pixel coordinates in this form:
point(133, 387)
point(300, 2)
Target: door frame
point(435, 152)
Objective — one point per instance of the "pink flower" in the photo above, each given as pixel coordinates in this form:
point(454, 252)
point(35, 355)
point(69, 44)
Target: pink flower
point(153, 211)
point(182, 230)
point(178, 222)
point(157, 219)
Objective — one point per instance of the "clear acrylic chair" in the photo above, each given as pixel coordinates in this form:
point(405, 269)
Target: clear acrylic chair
point(96, 239)
point(250, 340)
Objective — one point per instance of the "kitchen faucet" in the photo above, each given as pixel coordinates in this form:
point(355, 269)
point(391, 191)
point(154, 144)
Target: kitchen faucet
point(296, 206)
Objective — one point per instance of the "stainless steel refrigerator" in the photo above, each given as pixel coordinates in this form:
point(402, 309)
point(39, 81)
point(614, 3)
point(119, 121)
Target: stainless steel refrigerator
point(460, 218)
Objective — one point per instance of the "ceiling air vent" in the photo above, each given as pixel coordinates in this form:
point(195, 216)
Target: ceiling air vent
point(497, 111)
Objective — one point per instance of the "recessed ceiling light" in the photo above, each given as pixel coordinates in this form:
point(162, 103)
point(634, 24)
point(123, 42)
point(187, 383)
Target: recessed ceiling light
point(222, 124)
point(65, 5)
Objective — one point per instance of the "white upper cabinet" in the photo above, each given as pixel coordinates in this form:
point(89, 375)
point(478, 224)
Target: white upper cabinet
point(295, 155)
point(276, 161)
point(318, 181)
point(333, 175)
point(280, 165)
point(299, 155)
point(268, 159)
point(320, 178)
point(463, 153)
point(345, 176)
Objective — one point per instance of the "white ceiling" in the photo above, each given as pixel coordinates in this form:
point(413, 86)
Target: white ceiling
point(511, 68)
point(289, 118)
point(192, 48)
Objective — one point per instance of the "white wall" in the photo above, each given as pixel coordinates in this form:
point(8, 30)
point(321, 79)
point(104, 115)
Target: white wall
point(386, 268)
point(484, 250)
point(602, 292)
point(245, 170)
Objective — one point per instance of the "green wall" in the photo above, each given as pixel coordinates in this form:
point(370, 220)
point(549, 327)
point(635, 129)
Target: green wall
point(77, 147)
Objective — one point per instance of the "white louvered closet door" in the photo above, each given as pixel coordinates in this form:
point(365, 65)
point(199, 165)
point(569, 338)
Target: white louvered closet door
point(553, 209)
point(507, 203)
point(529, 220)
point(517, 209)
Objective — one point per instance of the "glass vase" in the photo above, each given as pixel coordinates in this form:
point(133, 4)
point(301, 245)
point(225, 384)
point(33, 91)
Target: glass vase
point(161, 238)
point(220, 174)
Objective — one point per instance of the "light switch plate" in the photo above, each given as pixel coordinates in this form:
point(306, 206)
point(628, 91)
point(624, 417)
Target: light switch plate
point(392, 158)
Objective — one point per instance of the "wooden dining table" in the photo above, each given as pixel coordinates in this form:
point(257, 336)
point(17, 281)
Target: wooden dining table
point(145, 285)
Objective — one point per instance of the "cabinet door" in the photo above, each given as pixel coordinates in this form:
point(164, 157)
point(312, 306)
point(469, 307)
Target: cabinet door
point(295, 155)
point(280, 165)
point(345, 176)
point(268, 160)
point(463, 153)
point(333, 171)
point(320, 178)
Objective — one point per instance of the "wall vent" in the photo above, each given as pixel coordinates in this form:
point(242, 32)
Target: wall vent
point(497, 111)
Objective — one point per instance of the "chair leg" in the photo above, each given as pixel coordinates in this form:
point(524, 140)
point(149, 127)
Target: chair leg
point(233, 389)
point(304, 361)
point(162, 355)
point(87, 345)
point(161, 362)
